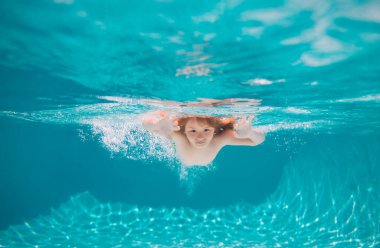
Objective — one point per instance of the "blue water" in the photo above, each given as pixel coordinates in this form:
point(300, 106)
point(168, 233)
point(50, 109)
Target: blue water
point(78, 170)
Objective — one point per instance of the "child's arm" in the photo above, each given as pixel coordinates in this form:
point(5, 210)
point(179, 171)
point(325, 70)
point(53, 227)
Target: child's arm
point(162, 125)
point(244, 134)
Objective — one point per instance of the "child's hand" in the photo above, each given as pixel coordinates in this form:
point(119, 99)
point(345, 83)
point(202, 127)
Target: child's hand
point(160, 122)
point(243, 127)
point(150, 123)
point(167, 125)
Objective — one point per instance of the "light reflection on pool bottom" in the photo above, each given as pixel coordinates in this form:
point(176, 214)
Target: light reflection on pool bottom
point(327, 198)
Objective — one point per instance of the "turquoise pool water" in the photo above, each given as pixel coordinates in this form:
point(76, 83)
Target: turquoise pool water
point(77, 169)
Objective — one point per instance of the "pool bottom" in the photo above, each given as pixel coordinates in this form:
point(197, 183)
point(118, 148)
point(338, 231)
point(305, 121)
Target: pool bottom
point(327, 197)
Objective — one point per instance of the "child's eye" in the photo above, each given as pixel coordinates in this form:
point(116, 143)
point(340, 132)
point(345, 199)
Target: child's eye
point(193, 131)
point(206, 130)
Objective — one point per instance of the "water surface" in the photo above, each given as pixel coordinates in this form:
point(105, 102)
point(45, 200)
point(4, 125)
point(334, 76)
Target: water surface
point(77, 169)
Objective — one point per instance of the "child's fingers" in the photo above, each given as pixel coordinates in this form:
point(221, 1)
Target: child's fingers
point(163, 114)
point(173, 118)
point(247, 118)
point(239, 118)
point(174, 122)
point(149, 119)
point(175, 125)
point(242, 121)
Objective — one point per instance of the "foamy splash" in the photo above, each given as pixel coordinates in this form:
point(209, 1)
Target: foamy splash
point(117, 124)
point(124, 134)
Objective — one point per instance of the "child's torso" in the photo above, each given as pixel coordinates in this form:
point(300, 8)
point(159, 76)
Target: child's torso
point(196, 156)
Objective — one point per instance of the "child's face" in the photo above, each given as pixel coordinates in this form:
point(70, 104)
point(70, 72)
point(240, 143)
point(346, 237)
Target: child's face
point(199, 134)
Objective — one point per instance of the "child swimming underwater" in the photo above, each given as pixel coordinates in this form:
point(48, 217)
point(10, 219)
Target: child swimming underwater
point(198, 139)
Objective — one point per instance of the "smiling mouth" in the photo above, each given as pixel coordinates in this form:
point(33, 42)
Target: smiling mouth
point(200, 142)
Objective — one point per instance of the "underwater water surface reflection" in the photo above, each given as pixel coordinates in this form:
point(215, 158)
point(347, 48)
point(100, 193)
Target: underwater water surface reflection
point(78, 168)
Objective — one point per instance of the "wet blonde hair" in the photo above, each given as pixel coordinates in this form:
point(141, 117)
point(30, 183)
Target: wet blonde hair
point(220, 124)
